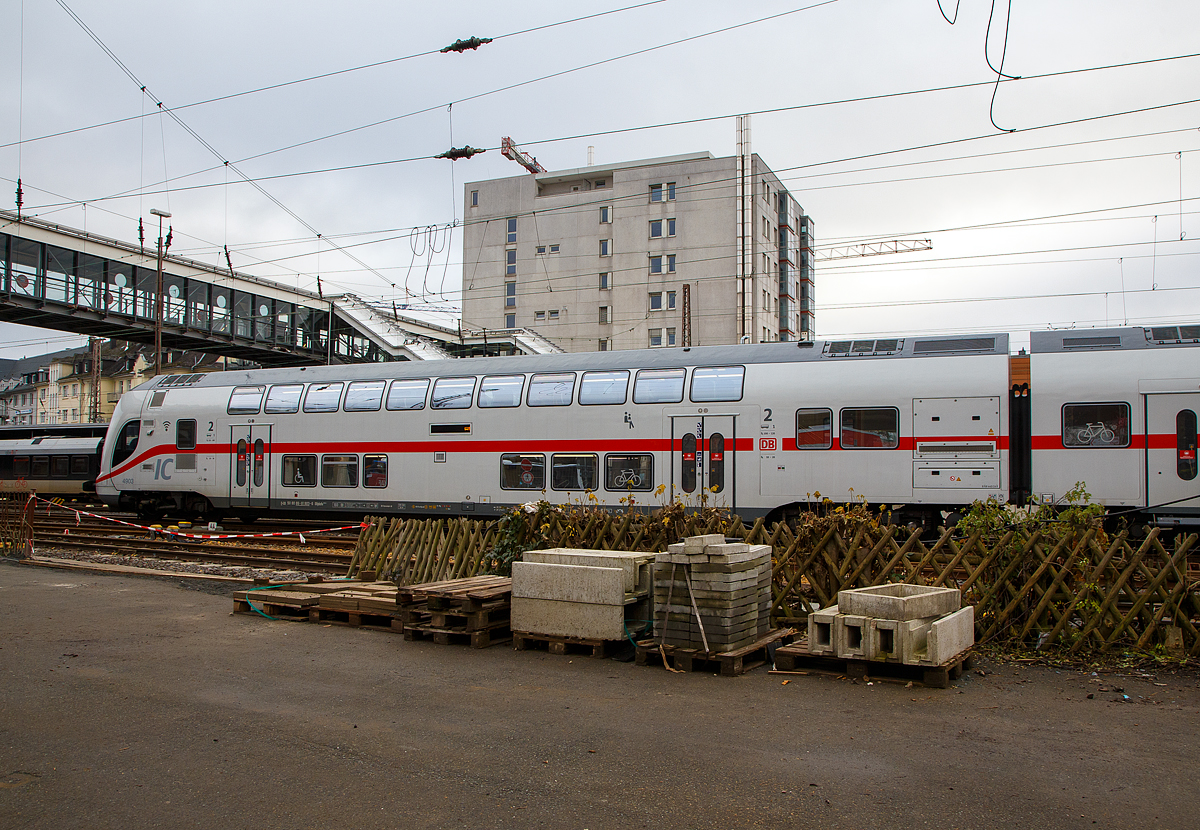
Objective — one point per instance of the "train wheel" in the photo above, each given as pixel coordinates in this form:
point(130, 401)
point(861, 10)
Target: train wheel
point(246, 517)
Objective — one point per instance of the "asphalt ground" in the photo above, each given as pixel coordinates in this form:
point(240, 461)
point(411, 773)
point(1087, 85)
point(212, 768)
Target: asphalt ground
point(132, 702)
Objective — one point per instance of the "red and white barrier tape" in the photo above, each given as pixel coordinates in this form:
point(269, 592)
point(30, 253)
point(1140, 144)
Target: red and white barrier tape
point(185, 534)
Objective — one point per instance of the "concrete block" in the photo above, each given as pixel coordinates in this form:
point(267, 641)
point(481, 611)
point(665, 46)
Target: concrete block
point(821, 638)
point(558, 618)
point(899, 641)
point(635, 564)
point(899, 601)
point(951, 635)
point(852, 635)
point(568, 583)
point(724, 550)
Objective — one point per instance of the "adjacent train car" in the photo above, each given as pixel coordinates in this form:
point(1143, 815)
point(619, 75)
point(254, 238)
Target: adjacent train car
point(51, 465)
point(1117, 409)
point(920, 423)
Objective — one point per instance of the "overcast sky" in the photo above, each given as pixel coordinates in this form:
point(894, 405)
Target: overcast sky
point(1048, 226)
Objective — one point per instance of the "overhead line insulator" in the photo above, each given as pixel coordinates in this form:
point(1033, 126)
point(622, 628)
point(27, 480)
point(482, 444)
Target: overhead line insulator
point(456, 153)
point(464, 45)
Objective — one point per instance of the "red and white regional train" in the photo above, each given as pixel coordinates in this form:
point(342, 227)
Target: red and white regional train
point(922, 424)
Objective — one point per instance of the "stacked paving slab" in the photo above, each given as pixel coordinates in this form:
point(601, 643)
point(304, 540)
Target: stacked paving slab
point(730, 584)
point(916, 625)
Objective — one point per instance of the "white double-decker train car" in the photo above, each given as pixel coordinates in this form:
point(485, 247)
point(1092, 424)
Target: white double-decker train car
point(920, 423)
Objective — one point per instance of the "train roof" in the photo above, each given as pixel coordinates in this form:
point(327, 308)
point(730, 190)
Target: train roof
point(60, 430)
point(782, 352)
point(49, 445)
point(1113, 339)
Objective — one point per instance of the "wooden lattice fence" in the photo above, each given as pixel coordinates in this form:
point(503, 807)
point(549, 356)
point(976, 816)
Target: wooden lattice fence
point(1060, 584)
point(16, 524)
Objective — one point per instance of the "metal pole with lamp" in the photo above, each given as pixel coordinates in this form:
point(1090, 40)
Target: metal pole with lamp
point(158, 297)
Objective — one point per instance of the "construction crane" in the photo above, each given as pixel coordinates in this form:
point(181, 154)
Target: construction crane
point(890, 246)
point(510, 150)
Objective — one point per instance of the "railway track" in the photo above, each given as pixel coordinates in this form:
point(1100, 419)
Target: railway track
point(325, 553)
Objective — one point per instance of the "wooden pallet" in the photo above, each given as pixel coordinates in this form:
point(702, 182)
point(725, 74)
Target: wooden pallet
point(356, 619)
point(796, 658)
point(280, 603)
point(527, 641)
point(730, 663)
point(489, 615)
point(482, 638)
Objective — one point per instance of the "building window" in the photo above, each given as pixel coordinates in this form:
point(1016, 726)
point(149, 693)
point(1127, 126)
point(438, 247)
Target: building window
point(606, 215)
point(605, 283)
point(670, 191)
point(539, 250)
point(670, 299)
point(510, 321)
point(603, 345)
point(474, 198)
point(656, 228)
point(670, 263)
point(554, 314)
point(512, 229)
point(554, 249)
point(605, 247)
point(600, 182)
point(656, 193)
point(656, 301)
point(670, 227)
point(670, 336)
point(656, 265)
point(656, 338)
point(539, 316)
point(605, 314)
point(510, 261)
point(510, 294)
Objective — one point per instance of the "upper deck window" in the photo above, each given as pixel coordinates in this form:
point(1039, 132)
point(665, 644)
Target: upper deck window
point(408, 394)
point(718, 383)
point(284, 398)
point(322, 397)
point(552, 390)
point(245, 400)
point(604, 387)
point(659, 386)
point(501, 390)
point(364, 396)
point(452, 393)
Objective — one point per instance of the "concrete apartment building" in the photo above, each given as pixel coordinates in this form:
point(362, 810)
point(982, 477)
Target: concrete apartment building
point(683, 250)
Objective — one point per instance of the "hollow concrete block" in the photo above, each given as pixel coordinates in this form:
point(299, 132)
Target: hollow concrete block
point(852, 634)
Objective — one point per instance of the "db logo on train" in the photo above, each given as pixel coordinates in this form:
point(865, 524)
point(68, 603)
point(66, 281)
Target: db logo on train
point(766, 444)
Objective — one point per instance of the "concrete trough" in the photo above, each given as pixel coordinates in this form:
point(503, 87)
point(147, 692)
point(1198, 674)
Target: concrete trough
point(899, 601)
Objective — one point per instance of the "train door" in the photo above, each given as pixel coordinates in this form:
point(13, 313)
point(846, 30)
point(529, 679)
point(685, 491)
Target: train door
point(250, 465)
point(1171, 450)
point(703, 459)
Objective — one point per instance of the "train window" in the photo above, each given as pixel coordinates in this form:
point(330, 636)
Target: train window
point(629, 472)
point(452, 393)
point(814, 429)
point(522, 471)
point(718, 383)
point(364, 396)
point(284, 398)
point(375, 470)
point(157, 398)
point(60, 466)
point(126, 443)
point(574, 472)
point(300, 471)
point(185, 434)
point(501, 390)
point(81, 465)
point(41, 467)
point(1185, 444)
point(245, 400)
point(407, 394)
point(659, 386)
point(603, 387)
point(1095, 425)
point(551, 390)
point(20, 466)
point(322, 397)
point(339, 471)
point(876, 427)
